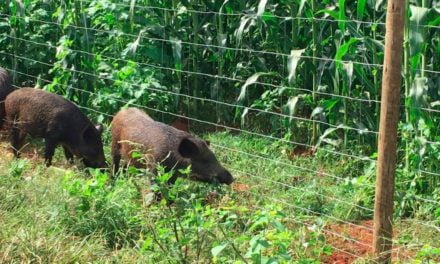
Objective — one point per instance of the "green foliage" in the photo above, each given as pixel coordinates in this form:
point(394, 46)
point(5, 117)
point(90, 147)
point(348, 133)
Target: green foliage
point(18, 167)
point(428, 254)
point(96, 207)
point(185, 221)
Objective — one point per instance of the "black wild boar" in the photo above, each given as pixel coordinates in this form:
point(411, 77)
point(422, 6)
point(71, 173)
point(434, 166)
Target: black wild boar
point(133, 130)
point(5, 89)
point(45, 115)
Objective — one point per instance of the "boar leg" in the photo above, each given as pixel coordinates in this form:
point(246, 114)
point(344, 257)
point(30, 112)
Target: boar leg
point(68, 154)
point(2, 115)
point(116, 161)
point(116, 155)
point(17, 138)
point(49, 150)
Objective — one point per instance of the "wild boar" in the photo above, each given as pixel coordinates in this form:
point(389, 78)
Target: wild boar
point(58, 121)
point(133, 130)
point(5, 89)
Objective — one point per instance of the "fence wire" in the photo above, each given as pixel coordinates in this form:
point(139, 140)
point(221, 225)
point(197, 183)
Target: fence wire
point(218, 147)
point(252, 175)
point(357, 157)
point(254, 14)
point(141, 36)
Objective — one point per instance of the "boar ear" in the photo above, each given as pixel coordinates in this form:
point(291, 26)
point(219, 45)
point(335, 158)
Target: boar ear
point(208, 142)
point(188, 149)
point(89, 133)
point(100, 128)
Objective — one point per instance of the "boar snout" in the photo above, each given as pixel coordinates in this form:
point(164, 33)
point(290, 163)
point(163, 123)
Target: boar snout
point(205, 166)
point(225, 177)
point(95, 164)
point(91, 149)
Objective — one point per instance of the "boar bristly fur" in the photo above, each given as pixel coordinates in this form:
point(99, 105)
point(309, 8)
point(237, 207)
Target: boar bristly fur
point(5, 89)
point(133, 130)
point(58, 121)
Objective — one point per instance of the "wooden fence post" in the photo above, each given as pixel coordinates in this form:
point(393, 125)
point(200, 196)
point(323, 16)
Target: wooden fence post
point(389, 117)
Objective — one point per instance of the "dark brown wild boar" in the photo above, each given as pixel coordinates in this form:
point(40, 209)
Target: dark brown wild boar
point(5, 89)
point(134, 130)
point(45, 115)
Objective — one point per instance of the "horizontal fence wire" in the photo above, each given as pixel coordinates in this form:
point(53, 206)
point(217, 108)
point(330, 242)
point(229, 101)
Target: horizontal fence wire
point(431, 71)
point(210, 75)
point(361, 131)
point(427, 200)
point(245, 173)
point(305, 209)
point(225, 48)
point(290, 205)
point(428, 109)
point(288, 164)
point(426, 224)
point(254, 14)
point(432, 142)
point(195, 120)
point(205, 45)
point(421, 171)
point(357, 157)
point(234, 150)
point(311, 226)
point(286, 18)
point(158, 90)
point(217, 146)
point(296, 188)
point(429, 172)
point(141, 36)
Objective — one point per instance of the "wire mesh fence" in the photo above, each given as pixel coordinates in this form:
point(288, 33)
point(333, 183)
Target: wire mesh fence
point(301, 83)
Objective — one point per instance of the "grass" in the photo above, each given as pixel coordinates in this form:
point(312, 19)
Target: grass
point(29, 216)
point(273, 212)
point(303, 181)
point(31, 206)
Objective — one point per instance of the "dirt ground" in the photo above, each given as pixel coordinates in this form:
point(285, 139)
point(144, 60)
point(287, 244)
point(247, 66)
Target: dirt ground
point(358, 246)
